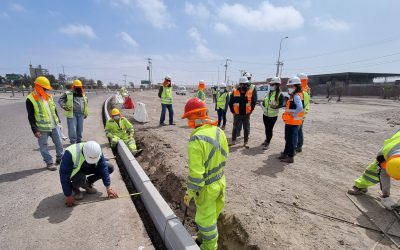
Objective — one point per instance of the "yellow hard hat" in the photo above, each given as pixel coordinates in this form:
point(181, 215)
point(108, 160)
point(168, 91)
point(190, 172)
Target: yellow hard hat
point(393, 167)
point(43, 82)
point(77, 83)
point(115, 112)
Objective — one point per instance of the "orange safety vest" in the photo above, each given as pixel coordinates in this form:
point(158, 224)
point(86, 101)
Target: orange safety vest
point(287, 116)
point(249, 95)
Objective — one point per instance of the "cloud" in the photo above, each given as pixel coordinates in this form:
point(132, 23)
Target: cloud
point(197, 10)
point(17, 7)
point(128, 39)
point(266, 17)
point(331, 24)
point(155, 12)
point(222, 28)
point(79, 29)
point(194, 33)
point(201, 49)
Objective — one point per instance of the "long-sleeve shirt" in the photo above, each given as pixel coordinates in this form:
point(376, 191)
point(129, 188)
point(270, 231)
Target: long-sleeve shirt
point(66, 168)
point(242, 100)
point(78, 102)
point(31, 115)
point(299, 105)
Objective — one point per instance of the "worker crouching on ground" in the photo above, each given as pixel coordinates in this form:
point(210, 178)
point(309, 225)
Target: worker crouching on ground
point(293, 118)
point(207, 152)
point(386, 165)
point(165, 93)
point(80, 160)
point(75, 104)
point(241, 103)
point(222, 105)
point(306, 94)
point(43, 118)
point(119, 128)
point(273, 101)
point(200, 91)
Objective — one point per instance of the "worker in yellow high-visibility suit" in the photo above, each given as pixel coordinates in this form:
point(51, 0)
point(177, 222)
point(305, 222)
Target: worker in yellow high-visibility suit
point(119, 128)
point(208, 151)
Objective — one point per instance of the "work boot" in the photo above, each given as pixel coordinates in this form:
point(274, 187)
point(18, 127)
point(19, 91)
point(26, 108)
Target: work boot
point(51, 167)
point(264, 143)
point(357, 191)
point(173, 124)
point(288, 159)
point(78, 195)
point(233, 143)
point(299, 150)
point(89, 188)
point(163, 124)
point(245, 144)
point(266, 146)
point(282, 156)
point(58, 161)
point(223, 127)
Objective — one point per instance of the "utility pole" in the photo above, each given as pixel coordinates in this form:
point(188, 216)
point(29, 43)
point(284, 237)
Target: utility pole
point(150, 69)
point(125, 80)
point(279, 63)
point(226, 66)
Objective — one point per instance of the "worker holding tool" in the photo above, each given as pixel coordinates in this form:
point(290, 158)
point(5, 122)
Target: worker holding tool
point(119, 128)
point(385, 166)
point(200, 91)
point(43, 119)
point(306, 94)
point(165, 93)
point(75, 104)
point(222, 105)
point(207, 152)
point(78, 161)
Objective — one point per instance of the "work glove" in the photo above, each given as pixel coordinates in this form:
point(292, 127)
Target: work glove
point(38, 134)
point(388, 203)
point(70, 201)
point(60, 126)
point(186, 199)
point(111, 193)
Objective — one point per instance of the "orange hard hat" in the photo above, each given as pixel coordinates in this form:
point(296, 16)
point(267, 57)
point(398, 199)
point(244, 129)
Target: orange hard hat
point(195, 108)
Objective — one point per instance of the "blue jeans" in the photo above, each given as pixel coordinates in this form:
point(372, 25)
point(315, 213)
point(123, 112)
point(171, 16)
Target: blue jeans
point(164, 108)
point(75, 128)
point(43, 145)
point(291, 133)
point(300, 139)
point(221, 116)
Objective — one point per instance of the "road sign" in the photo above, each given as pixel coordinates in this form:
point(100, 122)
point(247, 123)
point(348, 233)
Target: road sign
point(144, 82)
point(13, 77)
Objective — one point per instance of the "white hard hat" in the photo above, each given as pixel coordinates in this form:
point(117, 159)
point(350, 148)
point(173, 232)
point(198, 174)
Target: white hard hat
point(167, 77)
point(293, 81)
point(275, 80)
point(92, 152)
point(222, 85)
point(243, 80)
point(201, 81)
point(302, 76)
point(247, 74)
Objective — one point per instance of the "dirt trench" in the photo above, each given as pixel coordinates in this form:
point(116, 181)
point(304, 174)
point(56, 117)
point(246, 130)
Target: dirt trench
point(157, 159)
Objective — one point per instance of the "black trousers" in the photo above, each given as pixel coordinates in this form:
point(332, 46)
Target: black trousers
point(269, 123)
point(238, 121)
point(80, 180)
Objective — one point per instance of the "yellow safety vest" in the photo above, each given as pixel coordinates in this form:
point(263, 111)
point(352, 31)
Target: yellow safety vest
point(166, 96)
point(270, 112)
point(77, 157)
point(221, 99)
point(120, 129)
point(42, 118)
point(70, 104)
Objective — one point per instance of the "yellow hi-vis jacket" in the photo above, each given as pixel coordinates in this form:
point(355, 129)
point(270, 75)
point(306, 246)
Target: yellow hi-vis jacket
point(42, 118)
point(121, 129)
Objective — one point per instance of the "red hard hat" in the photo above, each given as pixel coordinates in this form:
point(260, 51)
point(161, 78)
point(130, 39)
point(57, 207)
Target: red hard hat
point(194, 105)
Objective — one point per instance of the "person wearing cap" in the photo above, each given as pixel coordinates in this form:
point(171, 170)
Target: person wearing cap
point(293, 118)
point(242, 103)
point(222, 105)
point(82, 165)
point(165, 93)
point(43, 119)
point(200, 91)
point(306, 94)
point(385, 166)
point(273, 101)
point(75, 105)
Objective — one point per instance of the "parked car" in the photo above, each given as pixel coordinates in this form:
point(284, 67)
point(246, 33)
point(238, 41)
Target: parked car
point(181, 91)
point(263, 90)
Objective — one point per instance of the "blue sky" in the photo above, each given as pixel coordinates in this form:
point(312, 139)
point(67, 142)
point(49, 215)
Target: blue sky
point(190, 40)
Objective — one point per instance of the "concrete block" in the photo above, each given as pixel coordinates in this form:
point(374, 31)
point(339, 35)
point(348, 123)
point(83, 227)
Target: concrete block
point(177, 237)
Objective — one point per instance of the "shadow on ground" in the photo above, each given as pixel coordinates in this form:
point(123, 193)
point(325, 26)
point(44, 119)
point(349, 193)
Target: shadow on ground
point(272, 166)
point(15, 176)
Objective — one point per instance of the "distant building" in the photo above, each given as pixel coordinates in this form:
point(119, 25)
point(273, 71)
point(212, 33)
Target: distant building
point(37, 71)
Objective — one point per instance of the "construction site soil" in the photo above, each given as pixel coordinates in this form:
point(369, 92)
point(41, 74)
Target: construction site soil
point(270, 204)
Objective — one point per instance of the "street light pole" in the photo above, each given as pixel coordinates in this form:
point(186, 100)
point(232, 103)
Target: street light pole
point(150, 69)
point(278, 63)
point(226, 66)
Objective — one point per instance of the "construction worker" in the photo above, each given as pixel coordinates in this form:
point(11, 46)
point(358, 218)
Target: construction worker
point(123, 92)
point(207, 152)
point(119, 128)
point(253, 88)
point(214, 91)
point(222, 105)
point(75, 104)
point(293, 118)
point(306, 93)
point(386, 165)
point(200, 91)
point(43, 119)
point(165, 93)
point(241, 103)
point(78, 161)
point(273, 101)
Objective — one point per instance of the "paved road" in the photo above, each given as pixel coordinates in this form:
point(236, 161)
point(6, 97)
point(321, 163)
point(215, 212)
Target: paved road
point(32, 212)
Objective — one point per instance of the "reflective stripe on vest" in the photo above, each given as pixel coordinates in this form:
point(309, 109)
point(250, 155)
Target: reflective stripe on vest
point(201, 95)
point(166, 95)
point(287, 115)
point(77, 157)
point(40, 112)
point(270, 112)
point(221, 99)
point(249, 95)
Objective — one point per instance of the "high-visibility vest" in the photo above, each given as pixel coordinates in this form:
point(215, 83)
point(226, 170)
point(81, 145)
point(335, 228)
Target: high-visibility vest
point(391, 148)
point(70, 104)
point(306, 96)
point(201, 95)
point(166, 96)
point(249, 95)
point(119, 129)
point(77, 157)
point(268, 111)
point(221, 99)
point(42, 118)
point(206, 167)
point(290, 108)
